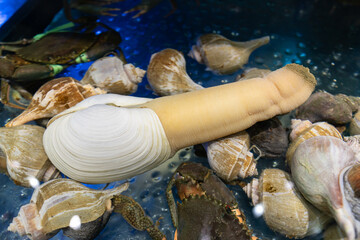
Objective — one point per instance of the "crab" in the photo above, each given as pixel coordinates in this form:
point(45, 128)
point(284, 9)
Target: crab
point(208, 209)
point(36, 59)
point(134, 214)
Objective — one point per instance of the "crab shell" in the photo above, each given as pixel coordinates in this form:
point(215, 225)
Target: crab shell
point(285, 210)
point(230, 157)
point(22, 155)
point(54, 203)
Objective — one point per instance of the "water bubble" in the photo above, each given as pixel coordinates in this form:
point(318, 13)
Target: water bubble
point(258, 210)
point(155, 176)
point(288, 51)
point(34, 183)
point(301, 45)
point(75, 222)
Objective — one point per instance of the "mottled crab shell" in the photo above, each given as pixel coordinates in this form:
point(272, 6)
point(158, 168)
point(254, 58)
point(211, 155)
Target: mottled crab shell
point(22, 155)
point(54, 203)
point(54, 97)
point(317, 168)
point(303, 130)
point(222, 55)
point(167, 74)
point(230, 157)
point(114, 76)
point(285, 210)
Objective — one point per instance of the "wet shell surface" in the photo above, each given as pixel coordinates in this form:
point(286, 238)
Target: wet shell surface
point(111, 131)
point(323, 106)
point(54, 97)
point(230, 157)
point(354, 128)
point(303, 130)
point(252, 73)
point(354, 143)
point(285, 210)
point(113, 76)
point(222, 55)
point(167, 74)
point(22, 155)
point(352, 189)
point(317, 168)
point(270, 137)
point(55, 203)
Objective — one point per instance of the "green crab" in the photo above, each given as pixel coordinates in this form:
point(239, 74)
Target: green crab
point(48, 54)
point(208, 209)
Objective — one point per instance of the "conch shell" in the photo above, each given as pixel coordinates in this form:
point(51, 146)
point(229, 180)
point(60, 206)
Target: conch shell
point(354, 128)
point(109, 137)
point(54, 203)
point(167, 74)
point(303, 130)
point(54, 97)
point(317, 168)
point(113, 76)
point(230, 157)
point(22, 155)
point(285, 210)
point(354, 143)
point(222, 55)
point(352, 189)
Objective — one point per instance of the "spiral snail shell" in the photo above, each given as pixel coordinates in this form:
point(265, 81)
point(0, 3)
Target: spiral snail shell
point(222, 55)
point(303, 130)
point(285, 210)
point(317, 168)
point(167, 74)
point(22, 155)
point(230, 157)
point(109, 137)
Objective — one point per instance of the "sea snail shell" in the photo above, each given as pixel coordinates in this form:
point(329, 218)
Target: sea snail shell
point(354, 128)
point(22, 155)
point(317, 168)
point(54, 97)
point(230, 157)
point(167, 73)
point(285, 210)
point(222, 55)
point(54, 203)
point(113, 76)
point(104, 139)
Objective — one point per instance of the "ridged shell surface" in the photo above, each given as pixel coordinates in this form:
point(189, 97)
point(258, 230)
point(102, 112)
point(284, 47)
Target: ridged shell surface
point(23, 156)
point(103, 143)
point(54, 203)
point(285, 210)
point(230, 157)
point(304, 129)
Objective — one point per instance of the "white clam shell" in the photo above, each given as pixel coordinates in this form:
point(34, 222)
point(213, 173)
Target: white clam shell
point(100, 143)
point(317, 168)
point(113, 76)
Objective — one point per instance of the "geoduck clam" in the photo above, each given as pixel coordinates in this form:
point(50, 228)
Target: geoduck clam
point(223, 56)
point(22, 155)
point(107, 142)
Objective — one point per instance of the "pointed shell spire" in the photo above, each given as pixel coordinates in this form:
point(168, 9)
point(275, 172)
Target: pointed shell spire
point(54, 203)
point(54, 97)
point(23, 156)
point(113, 76)
point(167, 73)
point(222, 55)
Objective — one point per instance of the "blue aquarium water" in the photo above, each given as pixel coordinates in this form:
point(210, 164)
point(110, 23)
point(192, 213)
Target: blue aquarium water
point(321, 35)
